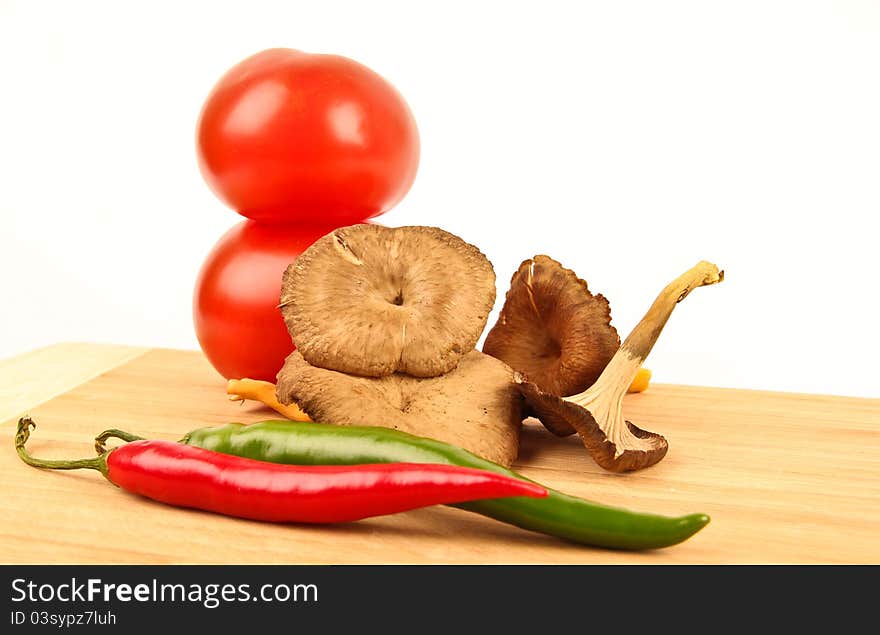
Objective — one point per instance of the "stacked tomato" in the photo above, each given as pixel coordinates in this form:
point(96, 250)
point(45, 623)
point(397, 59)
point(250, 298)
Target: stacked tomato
point(300, 144)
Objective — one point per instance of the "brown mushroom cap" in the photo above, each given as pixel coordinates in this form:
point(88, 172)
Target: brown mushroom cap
point(477, 406)
point(643, 449)
point(553, 330)
point(372, 300)
point(597, 412)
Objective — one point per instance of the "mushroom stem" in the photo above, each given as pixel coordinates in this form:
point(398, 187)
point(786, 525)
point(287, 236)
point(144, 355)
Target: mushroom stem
point(624, 366)
point(264, 392)
point(597, 413)
point(604, 399)
point(643, 337)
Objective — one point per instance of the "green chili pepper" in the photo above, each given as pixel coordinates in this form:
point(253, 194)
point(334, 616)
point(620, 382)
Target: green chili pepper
point(558, 514)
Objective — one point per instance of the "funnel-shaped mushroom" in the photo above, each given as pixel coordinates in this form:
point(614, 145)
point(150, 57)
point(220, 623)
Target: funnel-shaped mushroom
point(552, 329)
point(596, 414)
point(372, 301)
point(477, 406)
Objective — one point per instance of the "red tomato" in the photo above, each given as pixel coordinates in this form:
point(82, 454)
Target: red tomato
point(293, 137)
point(235, 305)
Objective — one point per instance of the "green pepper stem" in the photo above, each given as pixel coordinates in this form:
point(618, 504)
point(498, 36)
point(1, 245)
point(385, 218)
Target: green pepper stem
point(113, 433)
point(23, 432)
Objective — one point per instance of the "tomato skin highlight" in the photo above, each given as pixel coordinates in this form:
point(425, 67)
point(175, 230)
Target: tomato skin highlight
point(235, 303)
point(293, 137)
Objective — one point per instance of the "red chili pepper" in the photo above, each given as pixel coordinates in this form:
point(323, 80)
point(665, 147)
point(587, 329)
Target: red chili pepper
point(188, 476)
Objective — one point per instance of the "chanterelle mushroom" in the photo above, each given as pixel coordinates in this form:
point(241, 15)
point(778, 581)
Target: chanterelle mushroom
point(477, 406)
point(614, 443)
point(552, 329)
point(372, 301)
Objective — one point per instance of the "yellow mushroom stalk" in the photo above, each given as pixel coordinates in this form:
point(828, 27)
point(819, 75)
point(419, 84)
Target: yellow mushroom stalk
point(641, 381)
point(263, 392)
point(597, 413)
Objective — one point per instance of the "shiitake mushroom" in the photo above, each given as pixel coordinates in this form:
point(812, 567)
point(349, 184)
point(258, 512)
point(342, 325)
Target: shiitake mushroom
point(553, 331)
point(372, 301)
point(597, 413)
point(476, 406)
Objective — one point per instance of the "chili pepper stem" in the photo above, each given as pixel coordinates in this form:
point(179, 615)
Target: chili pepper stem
point(23, 433)
point(114, 433)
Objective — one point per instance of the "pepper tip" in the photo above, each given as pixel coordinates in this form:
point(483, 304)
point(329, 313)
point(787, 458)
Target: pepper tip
point(695, 522)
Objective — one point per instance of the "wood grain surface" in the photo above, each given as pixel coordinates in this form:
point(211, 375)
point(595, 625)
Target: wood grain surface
point(786, 478)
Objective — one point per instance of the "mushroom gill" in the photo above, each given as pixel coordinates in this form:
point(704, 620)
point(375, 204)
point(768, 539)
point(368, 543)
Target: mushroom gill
point(597, 413)
point(371, 300)
point(553, 330)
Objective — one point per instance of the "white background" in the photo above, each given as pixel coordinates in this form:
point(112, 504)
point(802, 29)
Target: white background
point(626, 139)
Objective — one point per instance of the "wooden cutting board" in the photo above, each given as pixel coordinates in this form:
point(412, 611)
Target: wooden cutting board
point(786, 478)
